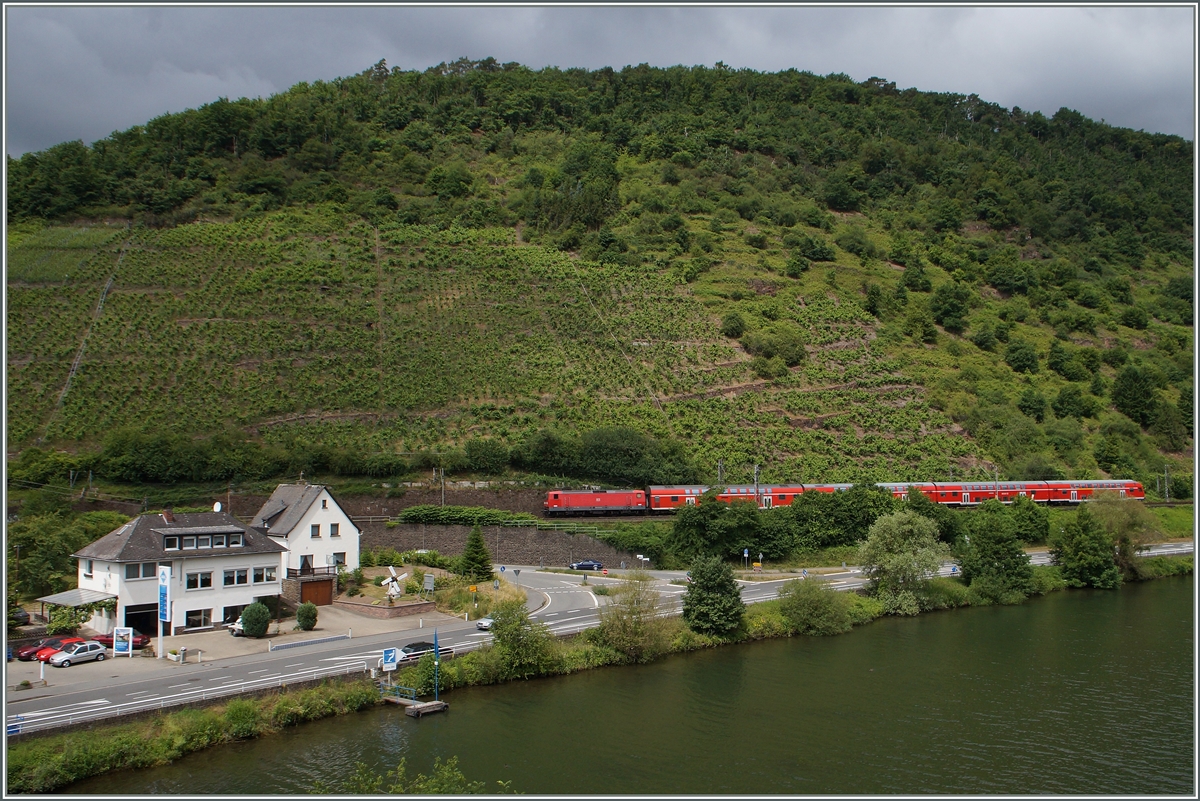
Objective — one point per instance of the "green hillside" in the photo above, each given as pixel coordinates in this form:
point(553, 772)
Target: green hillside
point(621, 276)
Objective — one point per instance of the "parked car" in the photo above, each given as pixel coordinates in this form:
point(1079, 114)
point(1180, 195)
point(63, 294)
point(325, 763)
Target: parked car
point(587, 564)
point(18, 617)
point(139, 640)
point(415, 650)
point(44, 654)
point(26, 652)
point(83, 651)
point(484, 623)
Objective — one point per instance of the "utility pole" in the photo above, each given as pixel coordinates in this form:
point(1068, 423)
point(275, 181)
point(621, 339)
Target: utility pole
point(720, 472)
point(756, 498)
point(1167, 483)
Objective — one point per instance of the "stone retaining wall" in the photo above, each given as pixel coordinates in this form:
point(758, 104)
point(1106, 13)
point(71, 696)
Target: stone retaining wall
point(521, 546)
point(385, 612)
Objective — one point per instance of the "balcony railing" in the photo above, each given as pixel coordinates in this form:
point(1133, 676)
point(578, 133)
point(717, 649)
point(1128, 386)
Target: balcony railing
point(324, 570)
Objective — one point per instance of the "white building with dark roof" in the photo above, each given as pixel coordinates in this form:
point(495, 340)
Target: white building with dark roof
point(218, 564)
point(319, 536)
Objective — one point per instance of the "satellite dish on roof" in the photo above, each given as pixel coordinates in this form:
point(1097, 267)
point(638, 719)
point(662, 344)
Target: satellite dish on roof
point(217, 506)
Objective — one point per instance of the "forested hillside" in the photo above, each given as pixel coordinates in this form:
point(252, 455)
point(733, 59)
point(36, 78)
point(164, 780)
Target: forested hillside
point(617, 276)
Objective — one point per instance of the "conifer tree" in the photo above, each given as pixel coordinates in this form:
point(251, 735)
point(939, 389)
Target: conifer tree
point(476, 562)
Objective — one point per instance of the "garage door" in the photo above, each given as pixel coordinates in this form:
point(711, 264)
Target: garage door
point(317, 592)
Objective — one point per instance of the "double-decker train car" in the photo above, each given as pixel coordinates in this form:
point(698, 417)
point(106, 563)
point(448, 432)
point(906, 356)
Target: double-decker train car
point(661, 498)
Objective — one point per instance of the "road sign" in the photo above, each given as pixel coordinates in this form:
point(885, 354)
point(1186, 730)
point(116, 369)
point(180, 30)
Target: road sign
point(516, 571)
point(605, 571)
point(640, 557)
point(164, 593)
point(495, 584)
point(473, 588)
point(501, 568)
point(391, 657)
point(804, 573)
point(745, 552)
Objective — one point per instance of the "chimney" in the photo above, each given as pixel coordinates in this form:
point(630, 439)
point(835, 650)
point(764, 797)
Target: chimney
point(167, 516)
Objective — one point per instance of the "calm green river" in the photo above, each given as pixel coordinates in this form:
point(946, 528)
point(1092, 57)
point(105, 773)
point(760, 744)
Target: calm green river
point(1079, 692)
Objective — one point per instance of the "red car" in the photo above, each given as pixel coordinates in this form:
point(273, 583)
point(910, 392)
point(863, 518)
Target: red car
point(139, 640)
point(48, 651)
point(26, 653)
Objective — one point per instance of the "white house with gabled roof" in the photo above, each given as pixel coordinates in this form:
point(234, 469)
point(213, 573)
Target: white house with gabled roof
point(319, 537)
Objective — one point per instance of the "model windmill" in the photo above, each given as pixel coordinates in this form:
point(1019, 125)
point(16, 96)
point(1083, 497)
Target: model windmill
point(394, 584)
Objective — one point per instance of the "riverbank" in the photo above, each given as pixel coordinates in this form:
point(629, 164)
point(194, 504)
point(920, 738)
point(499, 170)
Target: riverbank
point(54, 761)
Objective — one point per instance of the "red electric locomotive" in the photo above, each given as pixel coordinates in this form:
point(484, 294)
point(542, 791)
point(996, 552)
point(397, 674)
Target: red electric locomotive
point(585, 502)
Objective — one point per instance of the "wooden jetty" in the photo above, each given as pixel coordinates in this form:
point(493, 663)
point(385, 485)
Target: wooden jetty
point(425, 707)
point(412, 707)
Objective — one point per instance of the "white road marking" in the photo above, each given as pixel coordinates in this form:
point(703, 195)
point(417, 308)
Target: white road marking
point(140, 692)
point(252, 672)
point(173, 686)
point(294, 664)
point(377, 653)
point(96, 702)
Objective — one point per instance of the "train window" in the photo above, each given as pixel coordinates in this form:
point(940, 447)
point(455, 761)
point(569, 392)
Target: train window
point(556, 496)
point(675, 498)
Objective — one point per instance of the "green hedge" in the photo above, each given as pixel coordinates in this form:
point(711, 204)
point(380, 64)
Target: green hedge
point(460, 515)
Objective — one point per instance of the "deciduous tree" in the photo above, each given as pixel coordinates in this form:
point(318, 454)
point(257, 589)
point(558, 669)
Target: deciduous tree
point(713, 603)
point(901, 552)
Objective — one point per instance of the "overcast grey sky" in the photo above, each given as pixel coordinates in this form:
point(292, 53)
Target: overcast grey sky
point(84, 72)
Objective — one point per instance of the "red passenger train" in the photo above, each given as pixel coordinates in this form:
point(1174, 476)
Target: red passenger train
point(965, 493)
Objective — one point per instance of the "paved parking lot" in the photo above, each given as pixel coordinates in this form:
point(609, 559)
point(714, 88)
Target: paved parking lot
point(217, 645)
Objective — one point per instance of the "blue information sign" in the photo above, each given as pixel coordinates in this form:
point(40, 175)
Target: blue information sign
point(164, 593)
point(501, 568)
point(391, 656)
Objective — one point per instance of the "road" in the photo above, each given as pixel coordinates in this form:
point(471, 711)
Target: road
point(559, 600)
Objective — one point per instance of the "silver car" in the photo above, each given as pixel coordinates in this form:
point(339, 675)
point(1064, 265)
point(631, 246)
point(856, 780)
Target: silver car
point(484, 623)
point(85, 651)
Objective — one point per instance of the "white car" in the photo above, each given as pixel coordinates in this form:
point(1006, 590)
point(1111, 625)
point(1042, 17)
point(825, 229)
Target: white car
point(484, 623)
point(78, 652)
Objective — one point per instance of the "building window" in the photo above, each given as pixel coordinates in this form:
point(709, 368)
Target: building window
point(315, 530)
point(199, 581)
point(189, 543)
point(87, 568)
point(233, 577)
point(204, 542)
point(264, 574)
point(324, 503)
point(198, 618)
point(170, 543)
point(333, 530)
point(218, 540)
point(133, 571)
point(235, 540)
point(339, 558)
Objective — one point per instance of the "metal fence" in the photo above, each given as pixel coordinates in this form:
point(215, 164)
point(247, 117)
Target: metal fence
point(301, 643)
point(17, 724)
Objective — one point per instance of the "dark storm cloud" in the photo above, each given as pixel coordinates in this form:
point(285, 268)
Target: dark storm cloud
point(81, 73)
